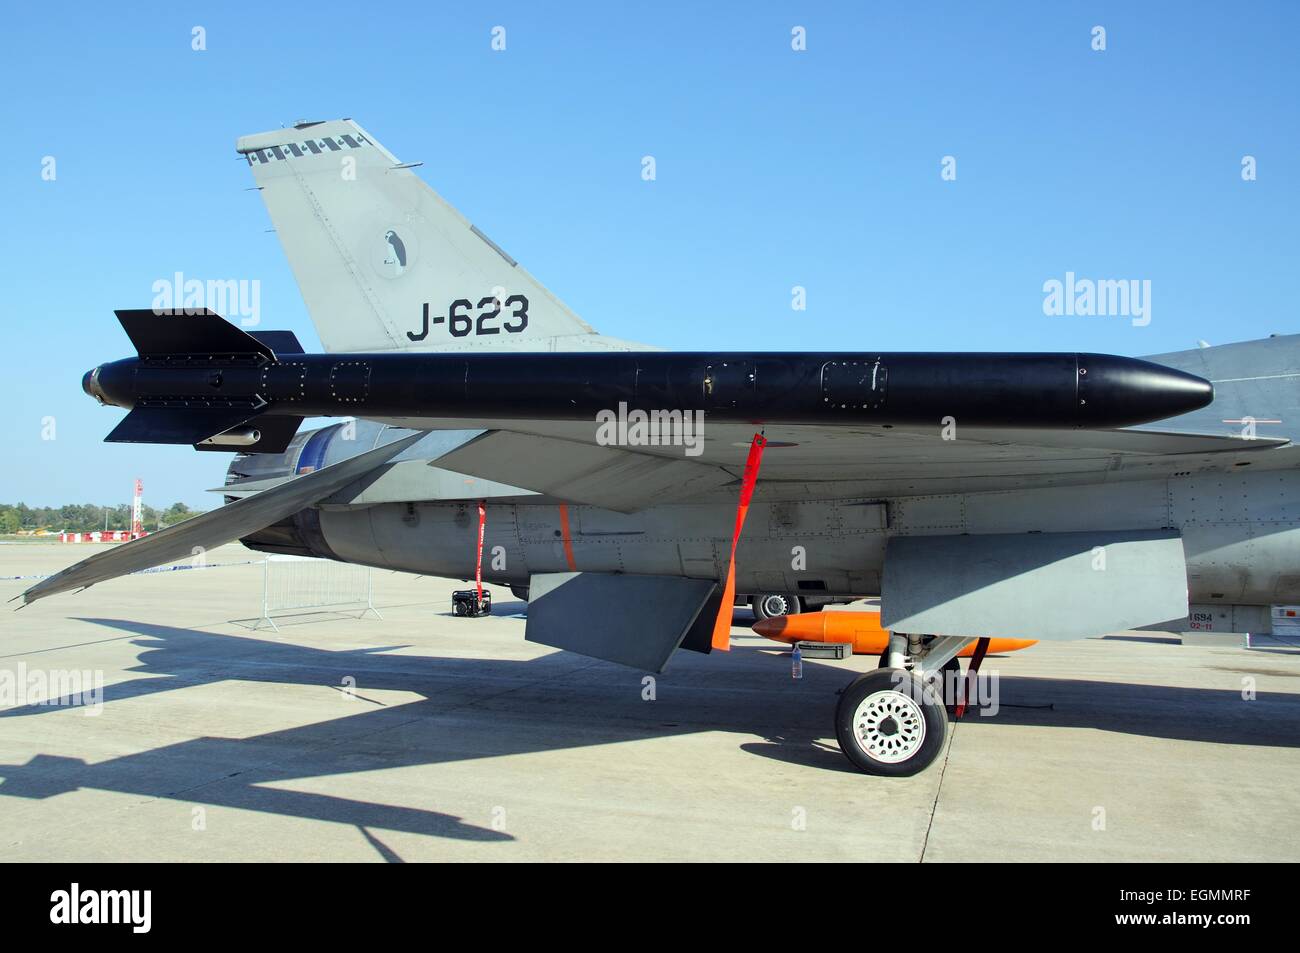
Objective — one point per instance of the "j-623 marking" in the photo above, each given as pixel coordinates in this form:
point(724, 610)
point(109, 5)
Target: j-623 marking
point(488, 320)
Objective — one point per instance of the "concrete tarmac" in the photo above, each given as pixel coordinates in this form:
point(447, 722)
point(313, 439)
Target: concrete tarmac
point(429, 737)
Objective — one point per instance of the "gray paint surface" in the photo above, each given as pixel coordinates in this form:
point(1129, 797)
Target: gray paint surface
point(634, 620)
point(1061, 585)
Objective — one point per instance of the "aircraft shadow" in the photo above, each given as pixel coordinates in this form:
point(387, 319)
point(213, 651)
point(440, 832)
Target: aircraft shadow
point(473, 708)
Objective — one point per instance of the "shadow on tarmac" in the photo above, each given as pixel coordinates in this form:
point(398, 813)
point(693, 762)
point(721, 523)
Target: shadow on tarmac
point(483, 708)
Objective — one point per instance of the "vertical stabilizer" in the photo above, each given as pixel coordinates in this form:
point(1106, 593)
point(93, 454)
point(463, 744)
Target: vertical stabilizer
point(384, 263)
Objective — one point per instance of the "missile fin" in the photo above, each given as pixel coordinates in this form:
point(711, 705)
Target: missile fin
point(282, 342)
point(202, 332)
point(177, 424)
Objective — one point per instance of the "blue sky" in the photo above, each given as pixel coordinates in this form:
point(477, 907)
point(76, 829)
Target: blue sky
point(775, 168)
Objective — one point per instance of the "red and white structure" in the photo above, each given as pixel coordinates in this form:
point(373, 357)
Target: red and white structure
point(110, 536)
point(137, 510)
point(116, 535)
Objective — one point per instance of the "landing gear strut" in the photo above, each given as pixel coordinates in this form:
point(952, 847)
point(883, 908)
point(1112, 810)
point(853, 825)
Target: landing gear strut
point(893, 721)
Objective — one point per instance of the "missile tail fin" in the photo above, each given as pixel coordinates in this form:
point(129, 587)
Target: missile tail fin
point(264, 433)
point(176, 424)
point(155, 334)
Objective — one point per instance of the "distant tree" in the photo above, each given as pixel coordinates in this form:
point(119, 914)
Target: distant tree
point(86, 517)
point(176, 513)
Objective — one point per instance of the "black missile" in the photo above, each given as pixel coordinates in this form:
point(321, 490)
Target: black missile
point(198, 376)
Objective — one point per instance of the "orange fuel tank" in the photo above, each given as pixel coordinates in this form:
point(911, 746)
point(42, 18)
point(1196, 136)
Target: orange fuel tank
point(860, 629)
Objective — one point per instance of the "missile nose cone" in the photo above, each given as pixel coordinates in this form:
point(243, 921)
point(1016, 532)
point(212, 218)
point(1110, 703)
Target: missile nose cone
point(1182, 392)
point(1127, 391)
point(1203, 389)
point(807, 627)
point(771, 628)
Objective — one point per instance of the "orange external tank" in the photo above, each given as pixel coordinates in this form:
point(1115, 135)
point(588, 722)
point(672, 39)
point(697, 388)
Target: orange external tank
point(860, 629)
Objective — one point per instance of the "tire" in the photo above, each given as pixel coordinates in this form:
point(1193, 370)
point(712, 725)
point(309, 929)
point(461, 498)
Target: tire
point(890, 724)
point(519, 592)
point(768, 605)
point(803, 605)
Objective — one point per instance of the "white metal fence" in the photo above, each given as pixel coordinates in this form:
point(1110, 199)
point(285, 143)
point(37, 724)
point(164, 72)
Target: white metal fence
point(301, 585)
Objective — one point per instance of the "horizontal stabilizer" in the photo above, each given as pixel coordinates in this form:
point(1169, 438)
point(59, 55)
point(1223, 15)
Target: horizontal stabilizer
point(643, 619)
point(217, 527)
point(203, 332)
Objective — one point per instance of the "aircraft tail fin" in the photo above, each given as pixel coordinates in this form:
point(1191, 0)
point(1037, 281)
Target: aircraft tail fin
point(384, 263)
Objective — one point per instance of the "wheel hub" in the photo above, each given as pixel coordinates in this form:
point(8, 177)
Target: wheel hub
point(889, 726)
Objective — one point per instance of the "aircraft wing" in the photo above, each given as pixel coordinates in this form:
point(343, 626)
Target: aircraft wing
point(564, 460)
point(614, 478)
point(217, 527)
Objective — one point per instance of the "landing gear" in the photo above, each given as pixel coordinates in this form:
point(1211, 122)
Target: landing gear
point(890, 722)
point(946, 681)
point(771, 604)
point(893, 721)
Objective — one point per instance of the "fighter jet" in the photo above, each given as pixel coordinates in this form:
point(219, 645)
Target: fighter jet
point(628, 493)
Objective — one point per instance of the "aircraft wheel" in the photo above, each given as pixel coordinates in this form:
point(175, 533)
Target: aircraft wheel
point(771, 604)
point(890, 723)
